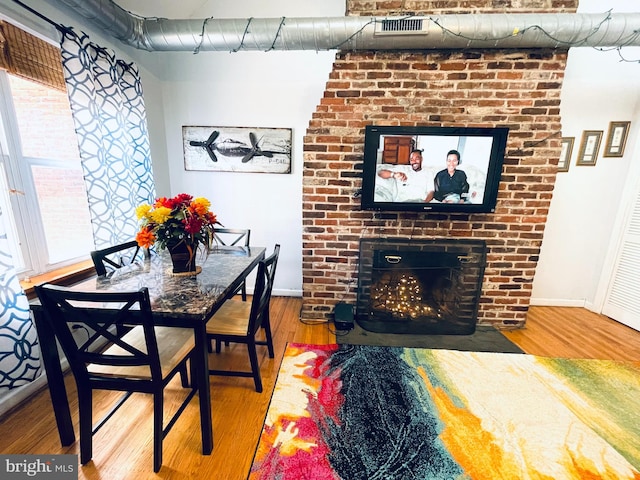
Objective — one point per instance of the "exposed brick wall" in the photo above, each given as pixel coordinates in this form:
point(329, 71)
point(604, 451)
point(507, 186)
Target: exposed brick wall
point(426, 7)
point(517, 89)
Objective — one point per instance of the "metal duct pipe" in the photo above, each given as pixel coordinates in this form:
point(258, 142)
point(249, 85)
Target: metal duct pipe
point(462, 31)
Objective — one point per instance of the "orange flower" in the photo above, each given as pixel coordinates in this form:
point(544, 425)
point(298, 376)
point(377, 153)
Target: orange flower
point(211, 218)
point(145, 238)
point(200, 206)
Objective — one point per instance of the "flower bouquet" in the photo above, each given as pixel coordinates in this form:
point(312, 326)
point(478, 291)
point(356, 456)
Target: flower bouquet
point(179, 224)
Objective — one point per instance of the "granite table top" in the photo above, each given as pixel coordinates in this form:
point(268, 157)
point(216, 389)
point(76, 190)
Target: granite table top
point(178, 296)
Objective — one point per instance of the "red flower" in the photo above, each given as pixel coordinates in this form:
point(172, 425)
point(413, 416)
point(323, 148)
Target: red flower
point(164, 202)
point(182, 199)
point(192, 225)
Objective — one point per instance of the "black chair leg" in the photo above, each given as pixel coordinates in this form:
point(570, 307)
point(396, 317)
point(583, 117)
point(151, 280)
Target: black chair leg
point(184, 377)
point(85, 408)
point(266, 324)
point(158, 434)
point(255, 366)
point(193, 378)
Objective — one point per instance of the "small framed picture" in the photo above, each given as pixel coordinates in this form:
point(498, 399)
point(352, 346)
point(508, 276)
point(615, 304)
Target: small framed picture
point(616, 139)
point(565, 154)
point(589, 147)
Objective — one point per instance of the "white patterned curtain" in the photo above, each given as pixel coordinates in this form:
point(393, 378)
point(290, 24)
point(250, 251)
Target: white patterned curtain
point(110, 121)
point(19, 348)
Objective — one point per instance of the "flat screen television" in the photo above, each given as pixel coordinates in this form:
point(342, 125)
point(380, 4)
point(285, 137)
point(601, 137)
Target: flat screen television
point(459, 170)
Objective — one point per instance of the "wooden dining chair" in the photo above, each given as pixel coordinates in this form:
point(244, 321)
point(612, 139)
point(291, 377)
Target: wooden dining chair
point(227, 237)
point(117, 256)
point(239, 322)
point(145, 359)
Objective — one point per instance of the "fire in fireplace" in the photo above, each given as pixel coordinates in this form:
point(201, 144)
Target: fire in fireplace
point(420, 286)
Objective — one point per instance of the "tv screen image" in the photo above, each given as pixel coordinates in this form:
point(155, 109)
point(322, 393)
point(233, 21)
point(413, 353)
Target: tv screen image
point(432, 169)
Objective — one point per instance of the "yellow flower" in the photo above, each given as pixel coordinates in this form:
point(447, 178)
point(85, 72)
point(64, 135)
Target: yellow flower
point(143, 210)
point(160, 215)
point(200, 205)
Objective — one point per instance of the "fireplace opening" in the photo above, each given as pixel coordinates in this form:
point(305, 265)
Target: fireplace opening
point(420, 286)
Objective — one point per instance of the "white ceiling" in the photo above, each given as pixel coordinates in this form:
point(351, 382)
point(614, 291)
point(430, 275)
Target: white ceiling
point(233, 8)
point(163, 8)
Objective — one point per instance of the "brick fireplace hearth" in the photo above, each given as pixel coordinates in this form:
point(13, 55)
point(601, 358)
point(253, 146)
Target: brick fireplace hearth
point(519, 89)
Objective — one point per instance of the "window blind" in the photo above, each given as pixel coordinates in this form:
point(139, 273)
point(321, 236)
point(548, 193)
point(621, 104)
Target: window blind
point(30, 57)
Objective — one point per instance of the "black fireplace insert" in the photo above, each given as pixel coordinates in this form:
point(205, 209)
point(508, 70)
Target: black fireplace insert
point(420, 286)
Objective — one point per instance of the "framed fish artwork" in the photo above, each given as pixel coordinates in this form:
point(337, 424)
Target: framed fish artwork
point(237, 149)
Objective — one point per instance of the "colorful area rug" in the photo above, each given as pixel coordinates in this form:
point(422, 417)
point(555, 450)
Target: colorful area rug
point(363, 412)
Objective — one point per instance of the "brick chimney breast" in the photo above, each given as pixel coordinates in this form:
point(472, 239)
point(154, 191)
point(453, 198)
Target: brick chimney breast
point(519, 89)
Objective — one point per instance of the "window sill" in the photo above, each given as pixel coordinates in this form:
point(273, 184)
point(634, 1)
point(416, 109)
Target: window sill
point(61, 276)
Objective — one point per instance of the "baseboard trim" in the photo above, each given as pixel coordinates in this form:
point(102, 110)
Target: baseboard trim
point(556, 302)
point(286, 293)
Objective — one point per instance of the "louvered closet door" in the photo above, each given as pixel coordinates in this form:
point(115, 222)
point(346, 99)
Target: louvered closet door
point(622, 301)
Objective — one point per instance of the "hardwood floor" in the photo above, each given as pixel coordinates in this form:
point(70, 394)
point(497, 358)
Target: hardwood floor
point(123, 450)
point(575, 333)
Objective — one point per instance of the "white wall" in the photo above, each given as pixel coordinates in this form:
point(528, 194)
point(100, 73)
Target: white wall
point(249, 89)
point(598, 88)
point(278, 89)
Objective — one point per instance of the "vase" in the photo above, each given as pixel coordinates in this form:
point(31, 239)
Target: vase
point(183, 257)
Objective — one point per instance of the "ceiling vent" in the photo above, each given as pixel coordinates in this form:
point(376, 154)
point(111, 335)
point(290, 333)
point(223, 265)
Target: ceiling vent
point(402, 26)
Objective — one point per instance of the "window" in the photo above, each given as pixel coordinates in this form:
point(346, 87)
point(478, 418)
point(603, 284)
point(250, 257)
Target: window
point(44, 202)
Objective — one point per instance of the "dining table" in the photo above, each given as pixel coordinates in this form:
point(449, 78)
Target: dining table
point(177, 300)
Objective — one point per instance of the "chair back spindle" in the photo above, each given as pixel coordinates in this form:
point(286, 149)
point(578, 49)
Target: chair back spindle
point(115, 257)
point(230, 237)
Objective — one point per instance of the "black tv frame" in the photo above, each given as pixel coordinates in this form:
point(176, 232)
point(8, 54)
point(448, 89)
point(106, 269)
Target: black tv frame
point(442, 138)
